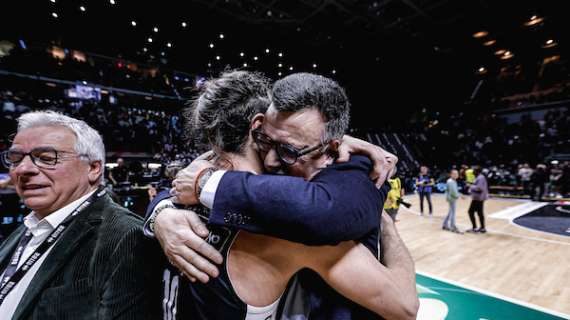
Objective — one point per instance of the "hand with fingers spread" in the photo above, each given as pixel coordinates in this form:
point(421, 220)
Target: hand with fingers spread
point(384, 162)
point(182, 235)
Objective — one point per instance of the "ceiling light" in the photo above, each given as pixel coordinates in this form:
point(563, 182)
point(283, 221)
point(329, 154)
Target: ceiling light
point(133, 23)
point(149, 40)
point(169, 45)
point(480, 34)
point(255, 58)
point(241, 54)
point(155, 29)
point(534, 20)
point(211, 45)
point(184, 24)
point(500, 52)
point(53, 14)
point(549, 44)
point(112, 1)
point(490, 43)
point(266, 50)
point(82, 8)
point(221, 35)
point(218, 57)
point(245, 64)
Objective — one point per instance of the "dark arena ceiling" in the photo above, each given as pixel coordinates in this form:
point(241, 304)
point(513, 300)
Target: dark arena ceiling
point(390, 54)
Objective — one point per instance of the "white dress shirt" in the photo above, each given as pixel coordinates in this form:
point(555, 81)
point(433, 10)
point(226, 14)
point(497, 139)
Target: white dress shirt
point(40, 230)
point(208, 193)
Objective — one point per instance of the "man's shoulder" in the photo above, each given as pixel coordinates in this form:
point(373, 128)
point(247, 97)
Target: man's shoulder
point(355, 162)
point(119, 219)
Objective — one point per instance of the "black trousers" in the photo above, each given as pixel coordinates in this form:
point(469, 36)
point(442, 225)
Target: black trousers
point(476, 206)
point(426, 195)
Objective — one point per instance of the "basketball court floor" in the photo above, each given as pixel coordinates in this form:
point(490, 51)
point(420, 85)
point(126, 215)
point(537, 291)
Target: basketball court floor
point(512, 272)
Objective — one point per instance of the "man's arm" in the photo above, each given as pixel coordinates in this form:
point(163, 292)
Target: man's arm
point(125, 294)
point(341, 196)
point(353, 271)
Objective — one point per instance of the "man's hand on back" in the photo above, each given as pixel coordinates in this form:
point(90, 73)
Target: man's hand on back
point(384, 162)
point(184, 186)
point(181, 234)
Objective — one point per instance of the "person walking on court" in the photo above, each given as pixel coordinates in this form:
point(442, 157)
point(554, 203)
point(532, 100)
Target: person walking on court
point(394, 197)
point(424, 184)
point(479, 193)
point(452, 194)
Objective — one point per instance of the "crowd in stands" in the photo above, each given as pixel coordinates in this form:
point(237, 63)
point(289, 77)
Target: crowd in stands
point(72, 65)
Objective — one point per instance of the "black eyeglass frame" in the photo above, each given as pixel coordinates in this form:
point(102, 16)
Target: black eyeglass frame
point(48, 162)
point(280, 148)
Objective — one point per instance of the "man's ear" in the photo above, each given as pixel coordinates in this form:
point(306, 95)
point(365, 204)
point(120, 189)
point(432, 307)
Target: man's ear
point(256, 121)
point(95, 171)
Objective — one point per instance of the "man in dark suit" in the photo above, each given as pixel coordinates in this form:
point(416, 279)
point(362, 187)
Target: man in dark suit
point(297, 139)
point(78, 254)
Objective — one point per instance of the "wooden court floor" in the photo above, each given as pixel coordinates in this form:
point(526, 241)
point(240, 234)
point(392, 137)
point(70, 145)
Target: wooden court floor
point(527, 265)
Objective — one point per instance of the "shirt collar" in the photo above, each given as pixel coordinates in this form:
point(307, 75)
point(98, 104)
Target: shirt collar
point(54, 219)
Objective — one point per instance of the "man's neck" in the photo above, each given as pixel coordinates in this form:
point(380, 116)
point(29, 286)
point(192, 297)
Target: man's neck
point(42, 215)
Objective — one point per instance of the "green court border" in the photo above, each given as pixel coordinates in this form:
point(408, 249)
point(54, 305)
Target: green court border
point(483, 298)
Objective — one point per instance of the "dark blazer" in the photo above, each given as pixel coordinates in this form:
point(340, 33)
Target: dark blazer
point(339, 204)
point(94, 271)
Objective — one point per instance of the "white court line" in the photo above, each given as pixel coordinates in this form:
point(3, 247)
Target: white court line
point(494, 231)
point(496, 295)
point(512, 213)
point(517, 211)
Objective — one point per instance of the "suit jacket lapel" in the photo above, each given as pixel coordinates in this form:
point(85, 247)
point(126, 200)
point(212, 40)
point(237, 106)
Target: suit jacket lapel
point(82, 227)
point(8, 247)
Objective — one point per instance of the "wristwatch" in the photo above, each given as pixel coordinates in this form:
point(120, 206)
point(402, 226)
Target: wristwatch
point(152, 218)
point(203, 179)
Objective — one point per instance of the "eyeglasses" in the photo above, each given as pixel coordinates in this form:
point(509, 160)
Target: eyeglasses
point(286, 152)
point(43, 157)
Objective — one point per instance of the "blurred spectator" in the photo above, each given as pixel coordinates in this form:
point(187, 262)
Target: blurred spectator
point(424, 185)
point(539, 179)
point(120, 173)
point(525, 173)
point(479, 193)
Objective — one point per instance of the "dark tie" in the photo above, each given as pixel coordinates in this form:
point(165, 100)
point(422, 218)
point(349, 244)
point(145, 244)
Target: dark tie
point(13, 265)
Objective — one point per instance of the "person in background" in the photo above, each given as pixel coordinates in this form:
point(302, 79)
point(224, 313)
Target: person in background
point(120, 173)
point(396, 193)
point(479, 193)
point(424, 184)
point(525, 173)
point(539, 178)
point(164, 184)
point(469, 176)
point(452, 194)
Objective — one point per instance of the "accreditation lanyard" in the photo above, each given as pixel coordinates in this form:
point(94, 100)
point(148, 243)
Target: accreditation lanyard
point(9, 282)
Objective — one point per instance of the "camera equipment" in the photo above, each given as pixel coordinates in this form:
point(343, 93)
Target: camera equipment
point(404, 203)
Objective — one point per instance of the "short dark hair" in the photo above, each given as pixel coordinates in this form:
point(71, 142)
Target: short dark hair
point(301, 91)
point(220, 116)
